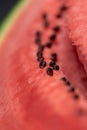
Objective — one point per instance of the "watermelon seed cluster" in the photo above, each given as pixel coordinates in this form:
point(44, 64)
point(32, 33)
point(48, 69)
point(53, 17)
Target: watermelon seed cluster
point(42, 63)
point(40, 58)
point(71, 88)
point(52, 38)
point(52, 65)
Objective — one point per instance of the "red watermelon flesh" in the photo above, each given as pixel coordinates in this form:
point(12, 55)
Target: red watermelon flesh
point(29, 98)
point(69, 61)
point(66, 53)
point(77, 22)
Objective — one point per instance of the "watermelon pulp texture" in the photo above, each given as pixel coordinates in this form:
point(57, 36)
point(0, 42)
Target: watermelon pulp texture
point(29, 98)
point(77, 28)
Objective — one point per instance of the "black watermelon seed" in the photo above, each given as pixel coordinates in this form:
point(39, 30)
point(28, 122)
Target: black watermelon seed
point(52, 63)
point(49, 45)
point(54, 57)
point(42, 64)
point(41, 48)
point(40, 59)
point(52, 37)
point(39, 54)
point(50, 71)
point(38, 33)
point(64, 79)
point(59, 15)
point(67, 83)
point(76, 96)
point(72, 89)
point(38, 41)
point(56, 28)
point(64, 8)
point(56, 67)
point(44, 16)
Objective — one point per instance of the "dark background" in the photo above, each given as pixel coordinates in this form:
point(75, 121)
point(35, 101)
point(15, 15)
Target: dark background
point(5, 8)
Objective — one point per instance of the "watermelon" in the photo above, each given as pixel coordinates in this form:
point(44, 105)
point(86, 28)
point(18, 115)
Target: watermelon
point(38, 91)
point(77, 28)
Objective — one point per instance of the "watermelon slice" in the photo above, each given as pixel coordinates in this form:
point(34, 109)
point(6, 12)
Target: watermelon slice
point(33, 97)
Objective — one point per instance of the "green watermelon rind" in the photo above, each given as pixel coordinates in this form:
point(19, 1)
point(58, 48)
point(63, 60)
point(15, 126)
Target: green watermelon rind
point(8, 22)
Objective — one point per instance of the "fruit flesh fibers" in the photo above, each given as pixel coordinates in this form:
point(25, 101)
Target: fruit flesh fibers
point(77, 26)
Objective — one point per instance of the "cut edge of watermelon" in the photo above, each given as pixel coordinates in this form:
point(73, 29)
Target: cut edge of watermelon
point(11, 18)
